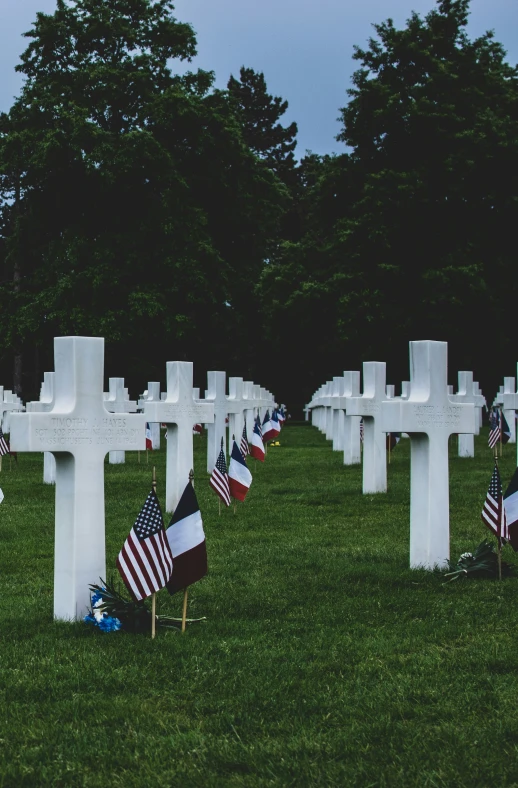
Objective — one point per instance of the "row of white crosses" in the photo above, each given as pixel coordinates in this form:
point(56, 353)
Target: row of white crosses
point(77, 424)
point(429, 414)
point(9, 403)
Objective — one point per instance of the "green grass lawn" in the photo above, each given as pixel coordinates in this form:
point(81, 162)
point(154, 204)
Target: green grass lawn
point(323, 661)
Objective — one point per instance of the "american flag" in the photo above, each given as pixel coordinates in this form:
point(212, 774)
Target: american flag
point(258, 422)
point(494, 428)
point(145, 561)
point(493, 513)
point(361, 430)
point(219, 479)
point(4, 446)
point(244, 443)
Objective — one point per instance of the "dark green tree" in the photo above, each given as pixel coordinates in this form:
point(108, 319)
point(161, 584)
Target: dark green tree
point(411, 233)
point(129, 197)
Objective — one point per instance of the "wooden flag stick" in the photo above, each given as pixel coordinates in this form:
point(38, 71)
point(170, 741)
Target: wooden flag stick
point(389, 446)
point(139, 457)
point(219, 500)
point(184, 611)
point(153, 596)
point(499, 558)
point(0, 463)
point(147, 457)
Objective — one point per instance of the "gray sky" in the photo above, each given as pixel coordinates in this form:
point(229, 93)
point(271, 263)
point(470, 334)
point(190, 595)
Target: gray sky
point(303, 48)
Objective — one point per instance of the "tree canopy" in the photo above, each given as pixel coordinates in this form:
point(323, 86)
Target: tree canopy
point(174, 219)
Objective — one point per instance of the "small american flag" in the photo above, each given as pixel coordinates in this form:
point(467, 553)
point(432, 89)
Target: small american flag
point(244, 443)
point(145, 561)
point(258, 422)
point(361, 430)
point(4, 446)
point(219, 479)
point(494, 428)
point(493, 513)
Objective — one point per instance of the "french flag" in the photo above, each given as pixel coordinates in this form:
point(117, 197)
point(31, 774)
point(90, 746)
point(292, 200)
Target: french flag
point(149, 440)
point(282, 416)
point(275, 424)
point(239, 477)
point(257, 445)
point(269, 431)
point(186, 539)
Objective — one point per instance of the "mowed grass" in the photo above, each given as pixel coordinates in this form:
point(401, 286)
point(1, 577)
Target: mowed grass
point(323, 661)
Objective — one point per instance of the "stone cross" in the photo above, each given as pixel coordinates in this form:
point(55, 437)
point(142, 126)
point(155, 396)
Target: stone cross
point(45, 404)
point(248, 394)
point(338, 411)
point(430, 417)
point(236, 401)
point(216, 394)
point(510, 404)
point(179, 412)
point(510, 412)
point(352, 442)
point(390, 391)
point(79, 431)
point(374, 440)
point(117, 401)
point(9, 403)
point(153, 395)
point(479, 405)
point(465, 395)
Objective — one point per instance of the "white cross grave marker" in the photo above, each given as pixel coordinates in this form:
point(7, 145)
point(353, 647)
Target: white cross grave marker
point(510, 405)
point(352, 442)
point(45, 404)
point(235, 397)
point(179, 412)
point(152, 395)
point(465, 394)
point(509, 412)
point(374, 440)
point(118, 401)
point(216, 394)
point(338, 411)
point(430, 417)
point(78, 431)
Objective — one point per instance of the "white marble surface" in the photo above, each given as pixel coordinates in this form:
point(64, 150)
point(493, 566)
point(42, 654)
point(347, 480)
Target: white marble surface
point(430, 417)
point(79, 431)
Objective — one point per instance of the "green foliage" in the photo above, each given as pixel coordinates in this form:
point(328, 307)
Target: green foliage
point(130, 202)
point(483, 562)
point(409, 233)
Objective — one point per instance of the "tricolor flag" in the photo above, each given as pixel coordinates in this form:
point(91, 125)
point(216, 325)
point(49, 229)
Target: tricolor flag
point(269, 431)
point(493, 513)
point(149, 440)
point(257, 445)
point(282, 416)
point(244, 443)
point(145, 562)
point(511, 510)
point(219, 478)
point(239, 477)
point(275, 424)
point(259, 427)
point(186, 539)
point(1, 496)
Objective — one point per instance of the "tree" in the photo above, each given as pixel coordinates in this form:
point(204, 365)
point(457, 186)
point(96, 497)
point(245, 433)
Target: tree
point(411, 232)
point(135, 186)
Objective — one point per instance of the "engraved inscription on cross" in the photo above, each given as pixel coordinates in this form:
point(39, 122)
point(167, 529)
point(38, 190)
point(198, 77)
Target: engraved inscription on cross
point(374, 441)
point(429, 416)
point(180, 412)
point(79, 431)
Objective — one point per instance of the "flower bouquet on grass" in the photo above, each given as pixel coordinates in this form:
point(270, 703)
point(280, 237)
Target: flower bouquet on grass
point(482, 563)
point(112, 611)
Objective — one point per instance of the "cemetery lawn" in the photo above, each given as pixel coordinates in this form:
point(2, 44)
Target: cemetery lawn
point(323, 659)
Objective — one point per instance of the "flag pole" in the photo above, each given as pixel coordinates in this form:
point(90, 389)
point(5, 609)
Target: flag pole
point(389, 446)
point(499, 536)
point(186, 589)
point(153, 595)
point(138, 456)
point(501, 430)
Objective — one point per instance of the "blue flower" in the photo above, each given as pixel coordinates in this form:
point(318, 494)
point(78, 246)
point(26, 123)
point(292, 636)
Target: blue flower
point(109, 624)
point(89, 619)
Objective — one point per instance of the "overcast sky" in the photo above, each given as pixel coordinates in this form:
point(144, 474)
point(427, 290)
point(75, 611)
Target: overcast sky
point(304, 48)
